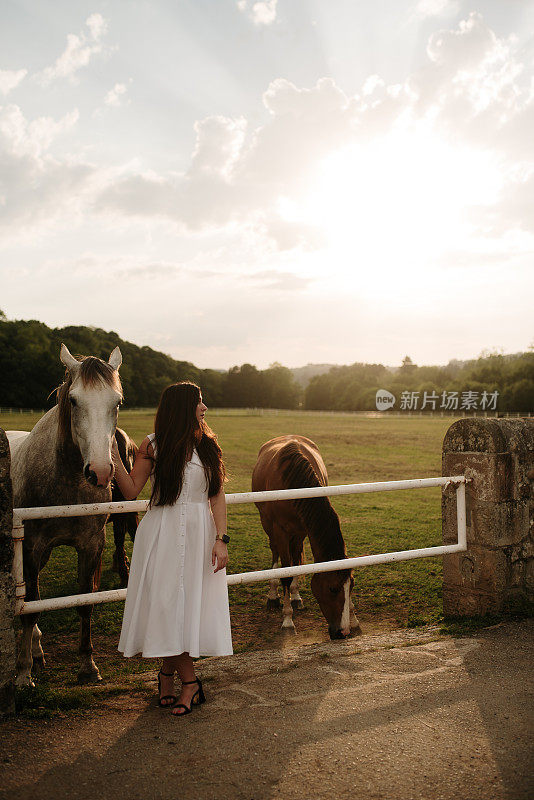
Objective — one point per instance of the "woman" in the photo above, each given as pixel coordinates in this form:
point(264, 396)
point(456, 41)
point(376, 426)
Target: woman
point(177, 603)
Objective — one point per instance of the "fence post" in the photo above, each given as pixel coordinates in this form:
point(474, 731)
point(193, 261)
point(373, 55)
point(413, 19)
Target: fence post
point(7, 584)
point(497, 571)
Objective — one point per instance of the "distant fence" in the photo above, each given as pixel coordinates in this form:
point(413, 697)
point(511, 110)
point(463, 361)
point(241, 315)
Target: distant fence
point(22, 410)
point(260, 412)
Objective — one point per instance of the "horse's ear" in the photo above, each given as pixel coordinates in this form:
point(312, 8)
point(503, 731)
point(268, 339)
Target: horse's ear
point(115, 359)
point(70, 362)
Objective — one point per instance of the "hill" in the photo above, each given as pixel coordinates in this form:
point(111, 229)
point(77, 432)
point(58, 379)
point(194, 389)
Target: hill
point(30, 369)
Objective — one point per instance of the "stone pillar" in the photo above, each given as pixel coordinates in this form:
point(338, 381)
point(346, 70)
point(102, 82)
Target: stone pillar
point(7, 584)
point(496, 573)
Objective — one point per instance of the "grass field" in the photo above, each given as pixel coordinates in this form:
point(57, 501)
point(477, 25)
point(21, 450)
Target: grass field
point(355, 449)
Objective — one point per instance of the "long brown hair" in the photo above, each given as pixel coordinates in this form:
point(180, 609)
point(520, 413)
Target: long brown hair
point(178, 431)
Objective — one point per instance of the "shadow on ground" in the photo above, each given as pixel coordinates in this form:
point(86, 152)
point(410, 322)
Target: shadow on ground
point(404, 715)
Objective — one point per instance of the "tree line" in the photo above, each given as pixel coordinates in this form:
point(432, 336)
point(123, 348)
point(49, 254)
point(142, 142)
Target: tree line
point(30, 370)
point(354, 388)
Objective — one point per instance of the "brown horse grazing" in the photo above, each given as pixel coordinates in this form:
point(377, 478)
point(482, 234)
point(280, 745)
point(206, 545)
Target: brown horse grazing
point(128, 522)
point(66, 459)
point(292, 462)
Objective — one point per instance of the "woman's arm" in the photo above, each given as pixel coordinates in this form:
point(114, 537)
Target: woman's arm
point(219, 553)
point(131, 484)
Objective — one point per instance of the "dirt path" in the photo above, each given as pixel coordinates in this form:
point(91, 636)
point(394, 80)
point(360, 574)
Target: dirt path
point(410, 714)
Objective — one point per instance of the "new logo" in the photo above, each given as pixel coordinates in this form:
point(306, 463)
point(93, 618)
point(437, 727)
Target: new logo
point(384, 400)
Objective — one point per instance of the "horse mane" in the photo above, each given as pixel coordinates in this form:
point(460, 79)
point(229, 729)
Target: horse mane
point(92, 372)
point(316, 513)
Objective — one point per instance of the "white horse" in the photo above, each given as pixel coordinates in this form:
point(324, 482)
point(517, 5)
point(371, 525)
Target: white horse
point(66, 459)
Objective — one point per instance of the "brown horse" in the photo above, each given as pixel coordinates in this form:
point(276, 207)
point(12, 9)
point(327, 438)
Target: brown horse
point(128, 522)
point(66, 459)
point(292, 462)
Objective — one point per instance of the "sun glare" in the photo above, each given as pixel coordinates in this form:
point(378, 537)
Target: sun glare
point(396, 204)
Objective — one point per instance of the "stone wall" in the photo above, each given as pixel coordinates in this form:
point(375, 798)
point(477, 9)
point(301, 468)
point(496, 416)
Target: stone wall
point(497, 571)
point(7, 584)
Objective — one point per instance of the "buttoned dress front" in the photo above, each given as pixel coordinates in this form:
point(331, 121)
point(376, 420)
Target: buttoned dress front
point(175, 603)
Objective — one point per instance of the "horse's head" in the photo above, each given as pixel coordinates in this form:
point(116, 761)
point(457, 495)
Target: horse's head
point(332, 592)
point(88, 403)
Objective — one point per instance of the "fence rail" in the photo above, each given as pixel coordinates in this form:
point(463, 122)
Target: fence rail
point(50, 512)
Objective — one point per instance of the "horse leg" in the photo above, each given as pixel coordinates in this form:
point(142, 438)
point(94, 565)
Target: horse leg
point(353, 620)
point(296, 599)
point(287, 610)
point(132, 523)
point(120, 559)
point(32, 560)
point(38, 655)
point(286, 561)
point(24, 658)
point(37, 649)
point(297, 557)
point(88, 565)
point(273, 601)
point(296, 551)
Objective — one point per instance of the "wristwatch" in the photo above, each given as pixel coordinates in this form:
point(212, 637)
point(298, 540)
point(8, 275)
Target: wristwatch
point(224, 538)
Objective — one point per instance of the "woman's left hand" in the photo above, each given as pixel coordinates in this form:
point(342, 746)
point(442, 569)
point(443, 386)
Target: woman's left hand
point(219, 554)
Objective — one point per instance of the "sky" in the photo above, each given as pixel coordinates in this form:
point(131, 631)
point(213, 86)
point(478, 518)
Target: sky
point(300, 181)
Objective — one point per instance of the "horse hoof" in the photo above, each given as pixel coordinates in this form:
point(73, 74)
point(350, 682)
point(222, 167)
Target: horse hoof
point(24, 680)
point(356, 630)
point(273, 603)
point(89, 677)
point(289, 632)
point(297, 604)
point(290, 629)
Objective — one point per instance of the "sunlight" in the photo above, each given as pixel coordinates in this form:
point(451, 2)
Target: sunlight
point(396, 204)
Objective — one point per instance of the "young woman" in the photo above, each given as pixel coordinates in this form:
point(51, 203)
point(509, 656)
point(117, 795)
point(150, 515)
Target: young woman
point(177, 601)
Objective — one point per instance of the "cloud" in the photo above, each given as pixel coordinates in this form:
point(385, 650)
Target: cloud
point(115, 96)
point(9, 79)
point(475, 89)
point(37, 188)
point(278, 280)
point(474, 81)
point(238, 175)
point(437, 8)
point(218, 145)
point(469, 47)
point(78, 51)
point(97, 26)
point(22, 138)
point(514, 210)
point(261, 13)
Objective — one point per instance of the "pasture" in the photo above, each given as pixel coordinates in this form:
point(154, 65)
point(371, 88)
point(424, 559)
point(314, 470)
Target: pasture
point(355, 449)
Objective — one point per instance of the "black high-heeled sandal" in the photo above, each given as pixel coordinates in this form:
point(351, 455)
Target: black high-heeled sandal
point(171, 697)
point(198, 698)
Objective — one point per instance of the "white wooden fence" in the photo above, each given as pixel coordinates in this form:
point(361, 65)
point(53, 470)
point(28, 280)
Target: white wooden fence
point(47, 512)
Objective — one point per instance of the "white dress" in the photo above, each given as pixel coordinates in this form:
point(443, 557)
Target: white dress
point(175, 603)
